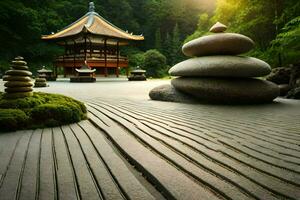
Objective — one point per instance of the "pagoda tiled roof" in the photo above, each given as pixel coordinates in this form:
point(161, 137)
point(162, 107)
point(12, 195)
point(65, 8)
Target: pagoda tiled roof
point(94, 24)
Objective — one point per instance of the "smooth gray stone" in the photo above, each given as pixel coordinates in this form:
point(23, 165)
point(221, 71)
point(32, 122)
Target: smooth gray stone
point(169, 93)
point(294, 93)
point(221, 66)
point(18, 89)
point(40, 84)
point(228, 91)
point(284, 89)
point(218, 44)
point(19, 62)
point(40, 80)
point(18, 73)
point(16, 78)
point(19, 58)
point(17, 67)
point(18, 84)
point(218, 28)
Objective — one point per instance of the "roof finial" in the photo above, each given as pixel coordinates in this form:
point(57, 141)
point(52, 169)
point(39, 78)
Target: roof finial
point(91, 7)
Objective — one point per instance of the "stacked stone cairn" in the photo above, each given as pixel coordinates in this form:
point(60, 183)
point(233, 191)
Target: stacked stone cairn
point(41, 81)
point(18, 79)
point(216, 74)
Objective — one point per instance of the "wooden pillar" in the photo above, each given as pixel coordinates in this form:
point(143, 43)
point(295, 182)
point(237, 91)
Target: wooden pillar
point(117, 69)
point(74, 53)
point(105, 58)
point(55, 68)
point(85, 48)
point(117, 72)
point(90, 43)
point(64, 62)
point(127, 72)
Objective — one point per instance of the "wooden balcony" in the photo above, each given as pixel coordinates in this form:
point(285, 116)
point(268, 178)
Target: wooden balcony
point(94, 61)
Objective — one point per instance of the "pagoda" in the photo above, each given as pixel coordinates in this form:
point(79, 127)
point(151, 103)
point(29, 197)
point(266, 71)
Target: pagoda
point(93, 40)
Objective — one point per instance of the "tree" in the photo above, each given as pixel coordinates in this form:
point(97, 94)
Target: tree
point(167, 45)
point(136, 60)
point(287, 43)
point(175, 50)
point(155, 63)
point(158, 40)
point(260, 20)
point(202, 27)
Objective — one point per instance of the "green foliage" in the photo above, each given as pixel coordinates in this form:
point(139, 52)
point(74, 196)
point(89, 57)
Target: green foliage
point(22, 22)
point(287, 43)
point(40, 110)
point(175, 49)
point(61, 114)
point(22, 103)
point(12, 119)
point(4, 66)
point(155, 63)
point(272, 24)
point(136, 60)
point(203, 27)
point(158, 42)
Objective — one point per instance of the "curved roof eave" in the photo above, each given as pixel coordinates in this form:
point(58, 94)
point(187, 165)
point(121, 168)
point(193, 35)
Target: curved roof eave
point(87, 24)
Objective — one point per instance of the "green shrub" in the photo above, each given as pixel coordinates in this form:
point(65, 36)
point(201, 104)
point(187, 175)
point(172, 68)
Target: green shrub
point(40, 110)
point(66, 113)
point(22, 103)
point(136, 60)
point(155, 63)
point(12, 119)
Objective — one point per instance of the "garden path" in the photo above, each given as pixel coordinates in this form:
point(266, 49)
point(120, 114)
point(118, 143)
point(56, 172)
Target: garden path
point(134, 148)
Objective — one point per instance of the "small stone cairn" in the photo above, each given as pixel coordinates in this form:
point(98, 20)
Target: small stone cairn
point(18, 79)
point(41, 81)
point(216, 74)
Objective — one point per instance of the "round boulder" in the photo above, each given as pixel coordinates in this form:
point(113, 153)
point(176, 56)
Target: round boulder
point(294, 93)
point(218, 44)
point(221, 66)
point(168, 93)
point(228, 91)
point(284, 89)
point(40, 80)
point(40, 84)
point(280, 75)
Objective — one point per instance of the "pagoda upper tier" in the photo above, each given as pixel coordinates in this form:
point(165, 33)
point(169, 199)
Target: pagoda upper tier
point(96, 27)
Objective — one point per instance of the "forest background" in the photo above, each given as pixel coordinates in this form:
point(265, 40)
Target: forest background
point(274, 25)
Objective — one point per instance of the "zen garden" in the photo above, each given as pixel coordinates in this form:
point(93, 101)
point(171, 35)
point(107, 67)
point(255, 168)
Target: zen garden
point(149, 99)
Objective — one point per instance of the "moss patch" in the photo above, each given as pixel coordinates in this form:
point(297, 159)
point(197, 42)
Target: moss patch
point(40, 110)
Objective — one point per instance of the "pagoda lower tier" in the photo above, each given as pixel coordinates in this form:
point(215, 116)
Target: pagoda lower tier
point(104, 66)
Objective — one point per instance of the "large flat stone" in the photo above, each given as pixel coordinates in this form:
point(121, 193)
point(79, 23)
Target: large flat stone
point(18, 84)
point(228, 91)
point(221, 66)
point(20, 67)
point(18, 73)
point(16, 78)
point(19, 62)
point(40, 84)
point(218, 44)
point(168, 93)
point(18, 89)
